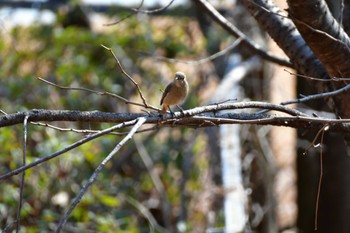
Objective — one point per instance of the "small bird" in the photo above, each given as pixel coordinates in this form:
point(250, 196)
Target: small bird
point(175, 93)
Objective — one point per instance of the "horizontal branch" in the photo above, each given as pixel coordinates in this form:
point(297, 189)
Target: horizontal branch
point(205, 116)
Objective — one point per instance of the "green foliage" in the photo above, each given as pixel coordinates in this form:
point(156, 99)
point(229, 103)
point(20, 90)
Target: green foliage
point(73, 57)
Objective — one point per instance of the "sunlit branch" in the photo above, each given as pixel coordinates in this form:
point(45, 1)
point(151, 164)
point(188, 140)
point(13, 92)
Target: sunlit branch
point(20, 202)
point(139, 123)
point(88, 131)
point(68, 148)
point(127, 75)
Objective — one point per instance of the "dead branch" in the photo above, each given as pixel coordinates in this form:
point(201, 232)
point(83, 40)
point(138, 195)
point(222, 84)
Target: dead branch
point(138, 124)
point(205, 116)
point(127, 75)
point(102, 93)
point(68, 148)
point(126, 17)
point(21, 188)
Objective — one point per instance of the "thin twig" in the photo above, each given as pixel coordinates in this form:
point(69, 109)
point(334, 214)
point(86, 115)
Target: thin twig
point(156, 180)
point(146, 159)
point(88, 131)
point(139, 123)
point(68, 148)
point(126, 101)
point(127, 75)
point(317, 79)
point(20, 202)
point(313, 143)
point(139, 10)
point(320, 179)
point(154, 10)
point(126, 17)
point(147, 214)
point(82, 89)
point(200, 61)
point(311, 97)
point(318, 96)
point(268, 120)
point(243, 105)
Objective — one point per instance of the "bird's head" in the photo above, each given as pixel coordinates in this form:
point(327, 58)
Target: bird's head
point(180, 78)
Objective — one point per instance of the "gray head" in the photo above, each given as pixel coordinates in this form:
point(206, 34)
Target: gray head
point(180, 76)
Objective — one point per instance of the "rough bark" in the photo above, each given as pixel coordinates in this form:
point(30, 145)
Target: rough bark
point(329, 43)
point(284, 33)
point(318, 53)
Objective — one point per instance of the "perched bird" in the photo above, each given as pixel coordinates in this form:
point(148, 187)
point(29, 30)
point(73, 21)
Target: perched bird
point(175, 93)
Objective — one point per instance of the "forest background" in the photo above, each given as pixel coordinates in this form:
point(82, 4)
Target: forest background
point(167, 178)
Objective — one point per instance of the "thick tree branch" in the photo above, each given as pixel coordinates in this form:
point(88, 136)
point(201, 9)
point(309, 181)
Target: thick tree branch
point(282, 30)
point(310, 53)
point(328, 41)
point(206, 116)
point(96, 116)
point(321, 31)
point(230, 28)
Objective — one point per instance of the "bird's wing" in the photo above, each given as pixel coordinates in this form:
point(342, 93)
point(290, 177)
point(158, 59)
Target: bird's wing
point(165, 93)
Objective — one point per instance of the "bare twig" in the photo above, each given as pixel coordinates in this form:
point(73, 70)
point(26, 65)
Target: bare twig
point(315, 96)
point(88, 131)
point(203, 60)
point(126, 17)
point(139, 122)
point(126, 101)
point(139, 10)
point(287, 121)
point(166, 209)
point(244, 105)
point(317, 79)
point(321, 174)
point(20, 202)
point(314, 143)
point(154, 10)
point(127, 75)
point(318, 96)
point(148, 215)
point(72, 146)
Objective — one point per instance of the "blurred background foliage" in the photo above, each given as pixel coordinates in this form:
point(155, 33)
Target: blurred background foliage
point(71, 55)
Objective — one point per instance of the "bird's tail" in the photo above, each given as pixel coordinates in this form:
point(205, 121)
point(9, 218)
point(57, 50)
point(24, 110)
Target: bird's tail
point(164, 108)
